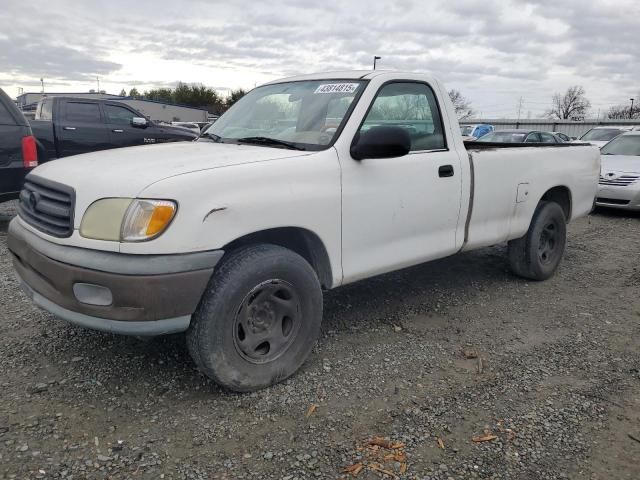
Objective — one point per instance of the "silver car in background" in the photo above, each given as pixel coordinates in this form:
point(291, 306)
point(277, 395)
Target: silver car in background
point(600, 136)
point(619, 185)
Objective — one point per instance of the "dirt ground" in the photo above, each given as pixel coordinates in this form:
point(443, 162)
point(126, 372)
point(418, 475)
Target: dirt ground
point(547, 374)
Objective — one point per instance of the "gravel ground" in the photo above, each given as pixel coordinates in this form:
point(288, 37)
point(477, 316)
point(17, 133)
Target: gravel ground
point(427, 358)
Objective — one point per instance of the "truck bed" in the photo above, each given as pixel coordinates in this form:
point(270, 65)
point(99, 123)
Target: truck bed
point(501, 214)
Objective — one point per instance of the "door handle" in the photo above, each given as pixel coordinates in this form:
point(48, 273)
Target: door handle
point(68, 128)
point(118, 130)
point(445, 171)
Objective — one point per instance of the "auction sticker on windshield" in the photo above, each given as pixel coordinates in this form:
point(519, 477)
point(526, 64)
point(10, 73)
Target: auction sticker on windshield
point(337, 88)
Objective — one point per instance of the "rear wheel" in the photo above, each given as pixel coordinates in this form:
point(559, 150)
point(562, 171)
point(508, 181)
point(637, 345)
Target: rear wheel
point(258, 319)
point(538, 253)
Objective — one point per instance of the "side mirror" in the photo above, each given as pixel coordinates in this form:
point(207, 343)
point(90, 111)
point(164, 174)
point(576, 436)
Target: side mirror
point(139, 122)
point(381, 142)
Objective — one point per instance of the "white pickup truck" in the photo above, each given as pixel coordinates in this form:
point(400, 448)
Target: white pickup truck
point(307, 183)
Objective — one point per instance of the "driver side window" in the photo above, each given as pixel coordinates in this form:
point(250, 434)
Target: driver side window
point(118, 115)
point(412, 107)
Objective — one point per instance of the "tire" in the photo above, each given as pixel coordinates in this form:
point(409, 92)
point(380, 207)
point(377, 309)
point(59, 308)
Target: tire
point(258, 318)
point(538, 253)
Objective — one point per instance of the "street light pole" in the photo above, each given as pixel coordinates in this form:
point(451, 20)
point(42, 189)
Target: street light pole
point(374, 61)
point(631, 110)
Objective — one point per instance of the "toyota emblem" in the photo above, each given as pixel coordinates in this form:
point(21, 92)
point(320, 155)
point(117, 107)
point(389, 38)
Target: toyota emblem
point(34, 198)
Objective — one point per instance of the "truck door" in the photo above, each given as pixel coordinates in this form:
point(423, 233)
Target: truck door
point(80, 128)
point(121, 130)
point(401, 211)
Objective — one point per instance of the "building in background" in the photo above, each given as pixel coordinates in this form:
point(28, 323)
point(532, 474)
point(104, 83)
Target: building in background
point(166, 112)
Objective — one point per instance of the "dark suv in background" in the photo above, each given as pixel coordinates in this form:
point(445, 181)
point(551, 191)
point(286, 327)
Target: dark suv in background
point(67, 126)
point(18, 151)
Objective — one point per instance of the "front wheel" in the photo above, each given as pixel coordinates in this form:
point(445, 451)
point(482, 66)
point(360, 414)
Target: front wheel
point(538, 253)
point(258, 319)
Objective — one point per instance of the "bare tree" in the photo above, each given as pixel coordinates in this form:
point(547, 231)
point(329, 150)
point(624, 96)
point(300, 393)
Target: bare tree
point(573, 103)
point(461, 104)
point(622, 112)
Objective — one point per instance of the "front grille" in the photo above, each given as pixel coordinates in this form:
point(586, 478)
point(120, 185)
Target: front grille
point(621, 181)
point(612, 201)
point(47, 206)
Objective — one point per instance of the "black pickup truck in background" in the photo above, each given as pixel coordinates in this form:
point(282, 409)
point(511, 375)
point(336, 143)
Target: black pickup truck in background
point(65, 126)
point(18, 152)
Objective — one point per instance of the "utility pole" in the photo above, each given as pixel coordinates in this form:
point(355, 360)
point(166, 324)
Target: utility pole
point(374, 61)
point(631, 110)
point(98, 80)
point(42, 83)
point(520, 102)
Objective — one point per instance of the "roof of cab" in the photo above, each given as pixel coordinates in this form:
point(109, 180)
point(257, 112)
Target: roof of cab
point(341, 75)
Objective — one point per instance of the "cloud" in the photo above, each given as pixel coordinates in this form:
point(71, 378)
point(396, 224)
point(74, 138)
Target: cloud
point(494, 51)
point(24, 57)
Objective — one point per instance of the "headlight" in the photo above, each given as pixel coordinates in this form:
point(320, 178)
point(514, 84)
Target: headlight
point(127, 219)
point(103, 219)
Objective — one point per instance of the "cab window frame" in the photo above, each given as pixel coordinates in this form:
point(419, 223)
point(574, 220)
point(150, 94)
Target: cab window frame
point(438, 110)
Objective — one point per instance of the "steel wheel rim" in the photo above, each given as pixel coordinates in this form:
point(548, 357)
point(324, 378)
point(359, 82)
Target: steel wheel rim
point(548, 244)
point(267, 321)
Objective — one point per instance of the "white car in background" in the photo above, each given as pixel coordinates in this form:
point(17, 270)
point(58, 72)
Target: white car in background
point(600, 136)
point(193, 126)
point(619, 185)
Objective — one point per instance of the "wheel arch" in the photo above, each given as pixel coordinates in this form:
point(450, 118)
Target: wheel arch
point(304, 242)
point(562, 196)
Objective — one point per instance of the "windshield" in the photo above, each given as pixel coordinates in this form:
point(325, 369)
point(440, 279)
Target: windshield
point(623, 145)
point(503, 137)
point(307, 114)
point(466, 130)
point(601, 134)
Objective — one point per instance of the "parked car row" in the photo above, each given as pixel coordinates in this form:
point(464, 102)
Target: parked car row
point(483, 132)
point(598, 136)
point(520, 136)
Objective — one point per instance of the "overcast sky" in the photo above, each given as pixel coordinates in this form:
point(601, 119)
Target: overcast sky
point(494, 51)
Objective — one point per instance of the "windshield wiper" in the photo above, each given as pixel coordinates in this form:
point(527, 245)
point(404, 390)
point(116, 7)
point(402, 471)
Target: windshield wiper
point(269, 141)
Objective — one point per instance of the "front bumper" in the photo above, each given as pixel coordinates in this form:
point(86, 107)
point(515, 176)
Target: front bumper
point(145, 294)
point(624, 198)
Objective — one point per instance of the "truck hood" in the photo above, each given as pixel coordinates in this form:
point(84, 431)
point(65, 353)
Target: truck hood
point(126, 172)
point(620, 163)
